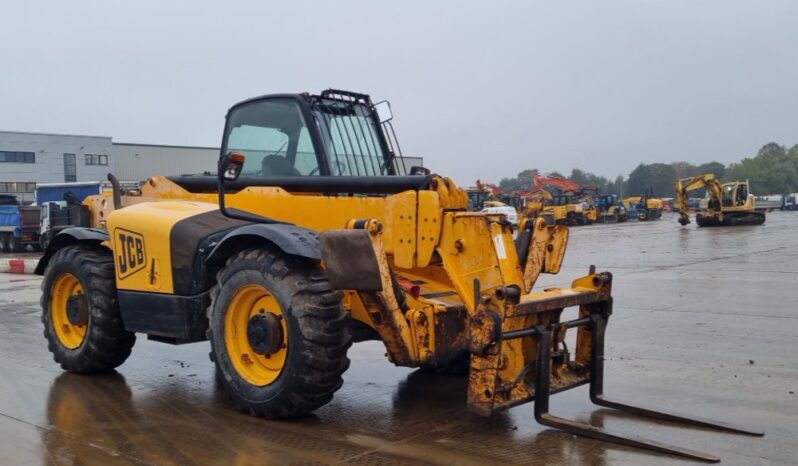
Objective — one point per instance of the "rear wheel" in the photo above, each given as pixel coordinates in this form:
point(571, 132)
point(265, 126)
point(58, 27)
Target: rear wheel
point(3, 243)
point(278, 333)
point(80, 313)
point(14, 244)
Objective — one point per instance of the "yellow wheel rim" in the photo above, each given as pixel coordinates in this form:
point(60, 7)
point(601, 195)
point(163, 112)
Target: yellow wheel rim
point(71, 336)
point(256, 369)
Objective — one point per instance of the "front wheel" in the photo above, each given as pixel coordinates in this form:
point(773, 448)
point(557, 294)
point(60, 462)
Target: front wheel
point(80, 313)
point(279, 334)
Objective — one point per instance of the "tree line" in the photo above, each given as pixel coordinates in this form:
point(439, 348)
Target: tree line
point(773, 170)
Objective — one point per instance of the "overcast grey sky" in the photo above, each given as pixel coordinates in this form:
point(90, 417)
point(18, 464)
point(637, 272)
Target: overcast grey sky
point(479, 89)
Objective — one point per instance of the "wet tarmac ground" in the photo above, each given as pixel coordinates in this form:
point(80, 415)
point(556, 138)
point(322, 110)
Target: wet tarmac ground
point(705, 322)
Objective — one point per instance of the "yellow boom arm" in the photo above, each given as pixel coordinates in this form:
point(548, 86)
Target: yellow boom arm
point(685, 185)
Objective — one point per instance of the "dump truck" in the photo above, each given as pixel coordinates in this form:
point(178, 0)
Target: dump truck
point(19, 225)
point(728, 204)
point(309, 239)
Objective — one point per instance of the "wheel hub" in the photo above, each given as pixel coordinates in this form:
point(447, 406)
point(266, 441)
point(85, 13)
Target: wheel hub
point(265, 333)
point(77, 312)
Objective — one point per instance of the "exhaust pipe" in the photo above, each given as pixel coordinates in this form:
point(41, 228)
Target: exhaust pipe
point(117, 191)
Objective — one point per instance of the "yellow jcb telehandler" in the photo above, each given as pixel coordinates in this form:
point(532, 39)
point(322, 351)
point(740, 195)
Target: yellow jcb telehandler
point(309, 239)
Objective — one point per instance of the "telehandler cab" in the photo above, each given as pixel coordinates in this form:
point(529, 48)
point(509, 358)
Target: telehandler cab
point(310, 238)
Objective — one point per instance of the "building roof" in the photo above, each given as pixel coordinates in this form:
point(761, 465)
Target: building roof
point(163, 145)
point(37, 133)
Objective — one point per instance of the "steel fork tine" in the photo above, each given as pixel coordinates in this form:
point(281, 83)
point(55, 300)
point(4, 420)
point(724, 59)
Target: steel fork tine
point(587, 430)
point(598, 325)
point(542, 415)
point(675, 417)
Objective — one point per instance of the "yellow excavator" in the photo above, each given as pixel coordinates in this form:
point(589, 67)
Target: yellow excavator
point(729, 203)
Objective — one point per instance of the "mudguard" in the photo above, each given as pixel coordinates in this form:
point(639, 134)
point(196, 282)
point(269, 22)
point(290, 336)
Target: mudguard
point(293, 240)
point(65, 238)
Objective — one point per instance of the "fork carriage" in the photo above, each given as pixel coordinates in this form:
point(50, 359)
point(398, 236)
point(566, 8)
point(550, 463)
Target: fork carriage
point(515, 338)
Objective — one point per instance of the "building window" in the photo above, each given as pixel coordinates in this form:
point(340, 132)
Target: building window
point(7, 156)
point(70, 168)
point(17, 187)
point(96, 159)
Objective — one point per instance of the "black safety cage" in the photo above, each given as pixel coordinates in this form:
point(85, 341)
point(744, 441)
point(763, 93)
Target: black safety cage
point(346, 105)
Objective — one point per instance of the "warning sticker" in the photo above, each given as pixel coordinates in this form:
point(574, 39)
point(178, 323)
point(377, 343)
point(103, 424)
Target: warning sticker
point(501, 251)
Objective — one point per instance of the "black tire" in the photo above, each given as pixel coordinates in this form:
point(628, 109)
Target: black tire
point(3, 243)
point(106, 344)
point(318, 330)
point(14, 244)
point(570, 219)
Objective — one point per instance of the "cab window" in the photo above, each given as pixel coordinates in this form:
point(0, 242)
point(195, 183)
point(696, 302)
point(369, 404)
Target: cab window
point(728, 195)
point(273, 136)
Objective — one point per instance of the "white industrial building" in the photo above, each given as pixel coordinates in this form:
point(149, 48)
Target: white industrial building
point(30, 158)
point(137, 162)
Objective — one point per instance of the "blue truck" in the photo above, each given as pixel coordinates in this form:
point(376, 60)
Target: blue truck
point(19, 225)
point(61, 206)
point(57, 206)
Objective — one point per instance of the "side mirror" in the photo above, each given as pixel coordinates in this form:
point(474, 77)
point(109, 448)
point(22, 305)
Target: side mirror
point(230, 166)
point(383, 110)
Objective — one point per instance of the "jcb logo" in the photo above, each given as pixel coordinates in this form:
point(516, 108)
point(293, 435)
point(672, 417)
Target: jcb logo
point(130, 253)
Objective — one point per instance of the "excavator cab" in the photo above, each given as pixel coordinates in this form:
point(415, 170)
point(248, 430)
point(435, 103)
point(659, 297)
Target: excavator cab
point(735, 194)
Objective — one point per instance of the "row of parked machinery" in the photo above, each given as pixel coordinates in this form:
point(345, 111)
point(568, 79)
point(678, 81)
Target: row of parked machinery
point(561, 201)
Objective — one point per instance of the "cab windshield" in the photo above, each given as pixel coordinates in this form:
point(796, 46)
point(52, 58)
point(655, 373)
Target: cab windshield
point(351, 138)
point(728, 195)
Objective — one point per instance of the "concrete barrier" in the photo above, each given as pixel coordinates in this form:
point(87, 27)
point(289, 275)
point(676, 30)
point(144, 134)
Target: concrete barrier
point(26, 266)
